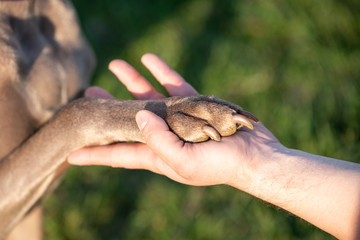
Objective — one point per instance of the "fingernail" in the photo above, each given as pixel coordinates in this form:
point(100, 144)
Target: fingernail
point(141, 120)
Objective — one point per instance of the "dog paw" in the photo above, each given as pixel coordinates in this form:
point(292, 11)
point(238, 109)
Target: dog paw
point(198, 118)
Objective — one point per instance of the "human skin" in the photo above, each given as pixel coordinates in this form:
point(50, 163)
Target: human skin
point(323, 191)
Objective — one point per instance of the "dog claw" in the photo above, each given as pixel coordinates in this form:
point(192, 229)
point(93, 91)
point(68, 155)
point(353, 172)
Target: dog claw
point(243, 121)
point(212, 133)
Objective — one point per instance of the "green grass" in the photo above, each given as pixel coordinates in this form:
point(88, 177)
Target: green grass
point(294, 64)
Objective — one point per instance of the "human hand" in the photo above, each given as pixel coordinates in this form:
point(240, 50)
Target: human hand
point(208, 163)
point(254, 161)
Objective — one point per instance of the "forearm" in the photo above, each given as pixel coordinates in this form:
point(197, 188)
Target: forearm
point(323, 191)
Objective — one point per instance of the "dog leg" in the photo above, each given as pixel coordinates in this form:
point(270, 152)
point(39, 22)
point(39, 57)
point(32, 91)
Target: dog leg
point(30, 227)
point(29, 171)
point(31, 168)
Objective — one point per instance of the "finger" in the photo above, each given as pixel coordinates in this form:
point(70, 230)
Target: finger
point(170, 79)
point(162, 141)
point(124, 155)
point(156, 132)
point(97, 92)
point(133, 81)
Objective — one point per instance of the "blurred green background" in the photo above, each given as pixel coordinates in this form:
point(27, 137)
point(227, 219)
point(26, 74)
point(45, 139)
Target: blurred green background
point(294, 64)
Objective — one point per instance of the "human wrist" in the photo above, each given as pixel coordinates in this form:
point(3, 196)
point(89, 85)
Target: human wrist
point(312, 187)
point(259, 174)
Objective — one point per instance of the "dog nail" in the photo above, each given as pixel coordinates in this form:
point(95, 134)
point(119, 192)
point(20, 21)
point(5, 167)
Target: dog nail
point(242, 120)
point(212, 133)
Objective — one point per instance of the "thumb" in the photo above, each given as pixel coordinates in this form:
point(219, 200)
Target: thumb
point(157, 135)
